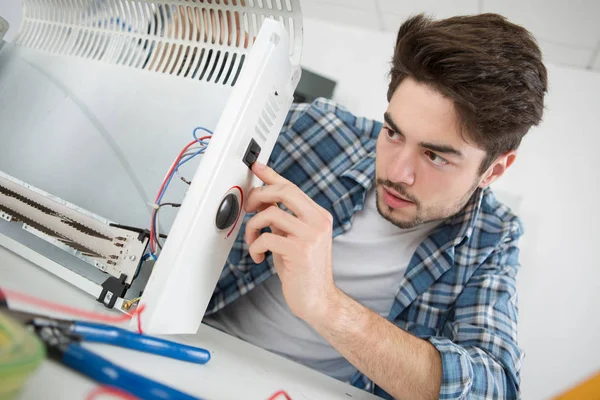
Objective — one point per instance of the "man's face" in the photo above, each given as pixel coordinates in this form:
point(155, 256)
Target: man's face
point(425, 170)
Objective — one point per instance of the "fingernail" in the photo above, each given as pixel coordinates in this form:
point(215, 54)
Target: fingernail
point(259, 166)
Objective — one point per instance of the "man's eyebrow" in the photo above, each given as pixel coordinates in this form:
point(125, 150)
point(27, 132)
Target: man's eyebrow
point(438, 148)
point(388, 119)
point(441, 148)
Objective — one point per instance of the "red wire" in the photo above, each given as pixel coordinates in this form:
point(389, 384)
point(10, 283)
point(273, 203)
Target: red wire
point(152, 231)
point(171, 170)
point(138, 312)
point(190, 144)
point(100, 390)
point(279, 393)
point(25, 298)
point(177, 162)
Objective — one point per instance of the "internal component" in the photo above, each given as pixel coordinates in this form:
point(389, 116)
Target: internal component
point(112, 249)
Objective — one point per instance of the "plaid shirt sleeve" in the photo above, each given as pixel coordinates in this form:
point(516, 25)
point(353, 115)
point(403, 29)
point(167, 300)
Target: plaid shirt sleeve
point(480, 356)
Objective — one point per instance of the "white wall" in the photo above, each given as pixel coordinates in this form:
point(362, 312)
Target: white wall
point(556, 178)
point(557, 175)
point(357, 59)
point(11, 11)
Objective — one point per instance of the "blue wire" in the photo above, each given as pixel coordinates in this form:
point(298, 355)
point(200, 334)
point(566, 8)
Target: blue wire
point(200, 128)
point(181, 162)
point(144, 258)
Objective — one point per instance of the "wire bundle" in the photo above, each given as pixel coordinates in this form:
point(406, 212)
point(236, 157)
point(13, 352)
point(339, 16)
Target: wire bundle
point(185, 155)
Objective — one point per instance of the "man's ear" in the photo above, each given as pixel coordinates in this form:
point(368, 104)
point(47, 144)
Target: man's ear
point(497, 169)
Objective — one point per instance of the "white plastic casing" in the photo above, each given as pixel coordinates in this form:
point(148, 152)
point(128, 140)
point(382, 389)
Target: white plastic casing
point(192, 259)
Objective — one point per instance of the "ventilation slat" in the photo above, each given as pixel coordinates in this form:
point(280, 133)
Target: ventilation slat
point(94, 11)
point(270, 110)
point(184, 59)
point(225, 57)
point(113, 50)
point(263, 125)
point(57, 38)
point(238, 70)
point(175, 60)
point(91, 45)
point(262, 135)
point(195, 39)
point(165, 56)
point(32, 42)
point(83, 41)
point(102, 46)
point(75, 43)
point(266, 117)
point(206, 64)
point(230, 69)
point(190, 62)
point(214, 65)
point(196, 69)
point(128, 51)
point(47, 35)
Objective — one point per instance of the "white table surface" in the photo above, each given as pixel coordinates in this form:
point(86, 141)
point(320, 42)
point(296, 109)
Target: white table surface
point(237, 370)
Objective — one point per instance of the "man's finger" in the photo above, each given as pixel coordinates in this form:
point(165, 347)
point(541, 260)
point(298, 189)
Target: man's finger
point(279, 221)
point(267, 174)
point(294, 199)
point(263, 207)
point(270, 242)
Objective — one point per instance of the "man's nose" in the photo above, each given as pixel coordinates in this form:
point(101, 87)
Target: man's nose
point(402, 167)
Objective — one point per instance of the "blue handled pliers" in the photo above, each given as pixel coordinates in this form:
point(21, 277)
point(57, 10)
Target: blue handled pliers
point(63, 340)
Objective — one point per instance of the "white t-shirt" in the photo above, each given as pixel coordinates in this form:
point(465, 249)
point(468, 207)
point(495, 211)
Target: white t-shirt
point(369, 260)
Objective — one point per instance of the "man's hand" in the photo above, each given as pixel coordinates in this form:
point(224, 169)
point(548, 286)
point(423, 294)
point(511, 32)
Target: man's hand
point(405, 366)
point(300, 243)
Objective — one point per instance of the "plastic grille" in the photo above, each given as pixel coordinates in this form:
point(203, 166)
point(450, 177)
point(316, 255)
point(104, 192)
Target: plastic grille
point(196, 39)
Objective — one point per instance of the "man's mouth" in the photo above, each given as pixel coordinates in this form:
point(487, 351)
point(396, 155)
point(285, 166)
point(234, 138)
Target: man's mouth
point(395, 200)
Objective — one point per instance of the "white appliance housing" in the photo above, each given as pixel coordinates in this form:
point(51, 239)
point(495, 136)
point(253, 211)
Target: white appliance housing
point(97, 97)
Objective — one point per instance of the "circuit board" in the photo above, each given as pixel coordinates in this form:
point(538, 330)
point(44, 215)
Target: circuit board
point(79, 232)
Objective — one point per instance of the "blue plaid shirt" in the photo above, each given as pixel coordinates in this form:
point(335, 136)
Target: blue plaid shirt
point(459, 291)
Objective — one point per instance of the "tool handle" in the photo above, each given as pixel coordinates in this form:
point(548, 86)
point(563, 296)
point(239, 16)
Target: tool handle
point(100, 333)
point(105, 372)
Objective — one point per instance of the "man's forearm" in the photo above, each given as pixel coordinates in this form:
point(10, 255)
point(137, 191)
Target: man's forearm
point(403, 365)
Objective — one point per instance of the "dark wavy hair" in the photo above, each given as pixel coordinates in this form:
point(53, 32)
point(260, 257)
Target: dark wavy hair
point(489, 67)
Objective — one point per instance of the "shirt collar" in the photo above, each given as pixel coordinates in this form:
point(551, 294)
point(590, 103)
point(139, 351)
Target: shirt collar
point(363, 171)
point(462, 223)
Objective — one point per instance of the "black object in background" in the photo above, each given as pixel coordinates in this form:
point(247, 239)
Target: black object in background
point(311, 86)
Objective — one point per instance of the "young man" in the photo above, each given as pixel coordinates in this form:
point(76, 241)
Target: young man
point(376, 253)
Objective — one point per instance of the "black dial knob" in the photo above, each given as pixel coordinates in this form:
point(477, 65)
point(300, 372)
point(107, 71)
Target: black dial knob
point(228, 211)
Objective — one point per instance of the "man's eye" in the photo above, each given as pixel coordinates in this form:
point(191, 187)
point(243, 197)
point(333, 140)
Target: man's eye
point(391, 134)
point(434, 158)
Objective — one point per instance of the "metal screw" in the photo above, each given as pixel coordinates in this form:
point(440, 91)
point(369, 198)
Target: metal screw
point(132, 257)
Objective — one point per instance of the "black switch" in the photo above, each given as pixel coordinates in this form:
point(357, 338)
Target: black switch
point(251, 154)
point(228, 211)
